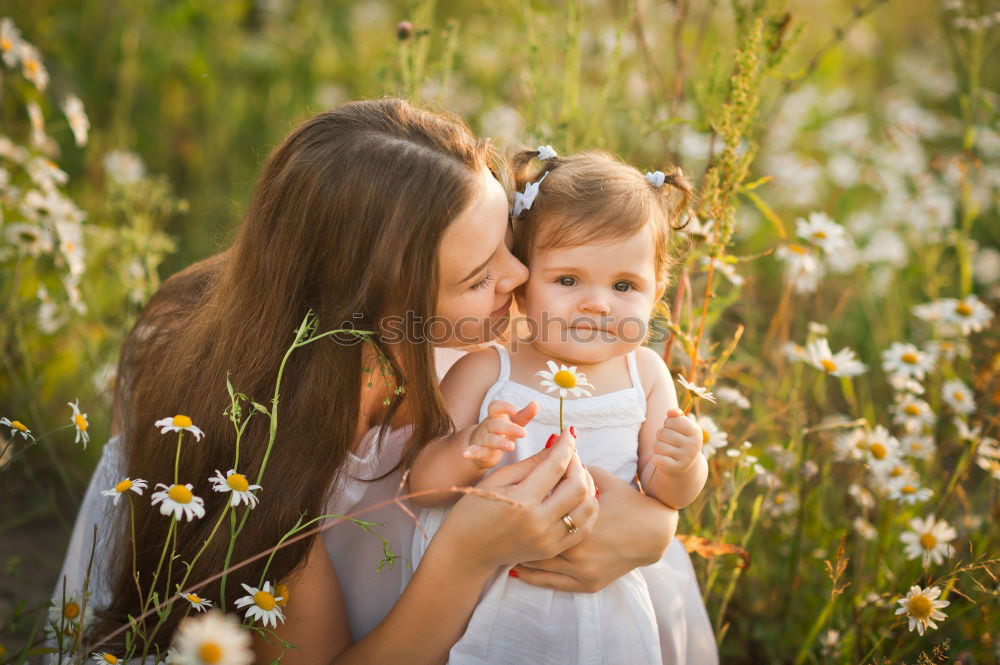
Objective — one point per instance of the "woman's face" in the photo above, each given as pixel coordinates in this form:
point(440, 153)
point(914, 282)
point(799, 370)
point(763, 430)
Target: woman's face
point(478, 274)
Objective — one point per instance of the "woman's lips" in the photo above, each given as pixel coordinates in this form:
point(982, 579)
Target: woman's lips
point(504, 308)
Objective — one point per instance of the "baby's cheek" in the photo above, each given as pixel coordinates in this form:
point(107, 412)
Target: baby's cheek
point(632, 330)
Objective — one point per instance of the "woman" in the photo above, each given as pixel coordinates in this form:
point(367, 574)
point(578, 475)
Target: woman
point(373, 212)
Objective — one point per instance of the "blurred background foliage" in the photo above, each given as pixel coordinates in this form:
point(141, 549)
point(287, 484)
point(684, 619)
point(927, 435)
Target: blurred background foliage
point(838, 96)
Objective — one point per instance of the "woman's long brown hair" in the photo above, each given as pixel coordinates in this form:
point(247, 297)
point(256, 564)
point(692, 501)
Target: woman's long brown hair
point(345, 220)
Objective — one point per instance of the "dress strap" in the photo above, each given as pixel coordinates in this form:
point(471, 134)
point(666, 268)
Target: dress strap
point(504, 362)
point(633, 372)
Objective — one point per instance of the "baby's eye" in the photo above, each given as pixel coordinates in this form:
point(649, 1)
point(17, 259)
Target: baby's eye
point(567, 281)
point(623, 286)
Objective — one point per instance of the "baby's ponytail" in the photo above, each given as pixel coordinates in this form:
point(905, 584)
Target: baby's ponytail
point(678, 197)
point(521, 165)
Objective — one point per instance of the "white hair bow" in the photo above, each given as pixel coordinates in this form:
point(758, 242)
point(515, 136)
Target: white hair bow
point(656, 178)
point(546, 152)
point(523, 201)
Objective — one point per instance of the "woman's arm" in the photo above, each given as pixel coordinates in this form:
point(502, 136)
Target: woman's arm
point(478, 536)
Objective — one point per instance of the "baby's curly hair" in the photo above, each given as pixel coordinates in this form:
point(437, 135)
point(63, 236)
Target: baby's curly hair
point(594, 196)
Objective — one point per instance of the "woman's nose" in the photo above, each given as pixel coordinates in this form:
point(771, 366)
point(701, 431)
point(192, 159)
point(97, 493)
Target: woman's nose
point(513, 274)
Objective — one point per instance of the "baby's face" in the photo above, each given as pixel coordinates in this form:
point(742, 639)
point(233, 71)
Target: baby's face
point(592, 302)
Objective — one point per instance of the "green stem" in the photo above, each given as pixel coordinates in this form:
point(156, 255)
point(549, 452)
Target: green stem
point(177, 458)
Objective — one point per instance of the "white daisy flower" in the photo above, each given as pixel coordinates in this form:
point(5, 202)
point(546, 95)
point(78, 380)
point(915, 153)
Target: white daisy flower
point(31, 239)
point(898, 471)
point(865, 528)
point(822, 231)
point(906, 489)
point(213, 638)
point(733, 396)
point(179, 500)
point(79, 421)
point(802, 269)
point(948, 349)
point(32, 67)
point(958, 396)
point(696, 228)
point(565, 380)
point(966, 433)
point(919, 446)
point(781, 503)
point(10, 42)
point(696, 390)
point(126, 484)
point(77, 117)
point(902, 383)
point(921, 608)
point(124, 168)
point(263, 605)
point(931, 312)
point(850, 445)
point(863, 497)
point(843, 363)
point(907, 360)
point(712, 437)
point(177, 424)
point(17, 427)
point(881, 449)
point(988, 457)
point(69, 617)
point(237, 485)
point(196, 601)
point(912, 413)
point(968, 314)
point(105, 658)
point(929, 539)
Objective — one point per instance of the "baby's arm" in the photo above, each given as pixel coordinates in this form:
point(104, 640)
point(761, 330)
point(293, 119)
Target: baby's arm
point(671, 466)
point(461, 458)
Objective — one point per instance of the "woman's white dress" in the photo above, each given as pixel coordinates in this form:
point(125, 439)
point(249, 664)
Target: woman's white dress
point(650, 615)
point(369, 594)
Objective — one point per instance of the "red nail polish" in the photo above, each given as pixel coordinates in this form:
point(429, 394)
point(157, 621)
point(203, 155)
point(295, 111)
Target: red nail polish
point(513, 573)
point(572, 430)
point(597, 492)
point(552, 439)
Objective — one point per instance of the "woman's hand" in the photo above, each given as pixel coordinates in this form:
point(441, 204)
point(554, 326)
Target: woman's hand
point(632, 530)
point(526, 521)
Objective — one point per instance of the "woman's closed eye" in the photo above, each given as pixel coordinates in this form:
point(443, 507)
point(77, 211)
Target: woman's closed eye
point(484, 282)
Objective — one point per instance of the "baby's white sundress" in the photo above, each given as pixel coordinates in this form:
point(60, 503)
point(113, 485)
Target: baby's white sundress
point(516, 622)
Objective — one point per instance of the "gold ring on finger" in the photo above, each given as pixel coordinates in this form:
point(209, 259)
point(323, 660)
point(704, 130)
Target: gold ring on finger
point(570, 524)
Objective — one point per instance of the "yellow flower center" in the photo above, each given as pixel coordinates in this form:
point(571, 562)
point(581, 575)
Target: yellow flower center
point(910, 358)
point(210, 652)
point(821, 235)
point(281, 590)
point(798, 249)
point(908, 489)
point(264, 600)
point(182, 421)
point(828, 365)
point(878, 451)
point(912, 410)
point(81, 422)
point(70, 246)
point(705, 436)
point(193, 597)
point(958, 396)
point(5, 44)
point(963, 309)
point(920, 607)
point(31, 66)
point(180, 494)
point(108, 658)
point(564, 379)
point(18, 425)
point(896, 472)
point(123, 486)
point(71, 611)
point(238, 482)
point(780, 499)
point(928, 541)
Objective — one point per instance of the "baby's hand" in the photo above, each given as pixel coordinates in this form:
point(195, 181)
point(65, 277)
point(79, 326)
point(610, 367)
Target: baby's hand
point(498, 432)
point(678, 443)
